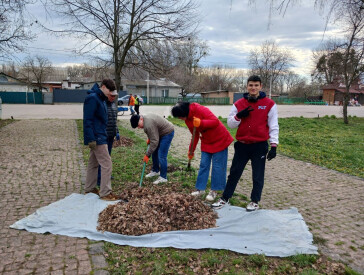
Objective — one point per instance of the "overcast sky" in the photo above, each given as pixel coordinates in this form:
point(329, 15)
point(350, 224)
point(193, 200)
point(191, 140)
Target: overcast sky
point(232, 28)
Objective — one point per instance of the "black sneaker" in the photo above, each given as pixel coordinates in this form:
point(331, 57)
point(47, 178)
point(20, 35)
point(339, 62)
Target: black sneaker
point(219, 204)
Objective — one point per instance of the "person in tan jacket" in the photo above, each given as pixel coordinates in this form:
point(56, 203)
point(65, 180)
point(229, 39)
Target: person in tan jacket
point(160, 133)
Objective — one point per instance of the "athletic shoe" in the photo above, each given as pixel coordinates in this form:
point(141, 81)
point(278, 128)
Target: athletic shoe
point(252, 206)
point(198, 193)
point(219, 204)
point(94, 190)
point(211, 196)
point(160, 180)
point(152, 174)
point(110, 197)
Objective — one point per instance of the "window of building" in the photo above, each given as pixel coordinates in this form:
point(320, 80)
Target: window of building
point(165, 93)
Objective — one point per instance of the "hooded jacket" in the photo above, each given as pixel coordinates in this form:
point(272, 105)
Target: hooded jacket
point(112, 119)
point(95, 116)
point(213, 134)
point(260, 125)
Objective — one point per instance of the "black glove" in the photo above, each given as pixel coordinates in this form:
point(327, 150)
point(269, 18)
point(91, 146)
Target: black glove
point(245, 112)
point(272, 153)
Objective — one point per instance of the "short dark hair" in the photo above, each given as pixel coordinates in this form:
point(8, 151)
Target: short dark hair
point(134, 120)
point(109, 83)
point(254, 78)
point(181, 109)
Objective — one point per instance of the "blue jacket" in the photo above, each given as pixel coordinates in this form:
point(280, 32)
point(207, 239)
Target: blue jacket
point(95, 116)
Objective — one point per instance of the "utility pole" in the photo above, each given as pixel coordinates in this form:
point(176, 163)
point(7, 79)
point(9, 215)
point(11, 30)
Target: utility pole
point(147, 87)
point(270, 86)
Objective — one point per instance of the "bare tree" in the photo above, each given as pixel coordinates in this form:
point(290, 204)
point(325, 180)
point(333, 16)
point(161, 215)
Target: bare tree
point(13, 29)
point(184, 63)
point(36, 69)
point(119, 25)
point(353, 47)
point(10, 69)
point(292, 80)
point(269, 61)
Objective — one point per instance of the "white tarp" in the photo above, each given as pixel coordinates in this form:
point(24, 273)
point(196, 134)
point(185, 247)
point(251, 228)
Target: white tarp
point(271, 232)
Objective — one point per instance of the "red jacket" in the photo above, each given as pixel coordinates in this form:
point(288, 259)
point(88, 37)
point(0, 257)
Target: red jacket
point(213, 134)
point(260, 125)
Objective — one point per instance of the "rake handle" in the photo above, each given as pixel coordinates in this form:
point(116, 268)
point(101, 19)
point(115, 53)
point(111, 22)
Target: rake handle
point(141, 179)
point(191, 148)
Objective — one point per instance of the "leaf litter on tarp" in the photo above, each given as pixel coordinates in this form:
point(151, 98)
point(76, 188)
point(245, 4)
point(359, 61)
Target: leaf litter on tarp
point(148, 211)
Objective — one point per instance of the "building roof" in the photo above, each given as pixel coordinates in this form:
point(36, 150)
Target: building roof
point(341, 89)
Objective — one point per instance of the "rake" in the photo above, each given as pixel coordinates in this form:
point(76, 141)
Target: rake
point(190, 170)
point(141, 179)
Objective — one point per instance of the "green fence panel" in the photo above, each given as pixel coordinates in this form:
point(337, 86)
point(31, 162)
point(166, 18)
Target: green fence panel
point(289, 100)
point(209, 101)
point(200, 100)
point(21, 97)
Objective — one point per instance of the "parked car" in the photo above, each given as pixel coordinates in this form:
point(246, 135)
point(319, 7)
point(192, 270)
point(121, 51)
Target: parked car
point(125, 100)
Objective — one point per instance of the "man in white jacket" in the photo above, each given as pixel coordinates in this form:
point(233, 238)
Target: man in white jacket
point(256, 118)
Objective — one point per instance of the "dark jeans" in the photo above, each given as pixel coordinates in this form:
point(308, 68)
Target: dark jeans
point(159, 156)
point(110, 141)
point(255, 152)
point(136, 107)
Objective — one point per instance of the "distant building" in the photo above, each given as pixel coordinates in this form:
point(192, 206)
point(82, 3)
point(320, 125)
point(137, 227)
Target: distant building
point(12, 84)
point(219, 94)
point(157, 88)
point(333, 93)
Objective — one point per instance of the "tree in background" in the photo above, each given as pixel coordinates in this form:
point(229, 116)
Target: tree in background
point(350, 15)
point(119, 25)
point(327, 62)
point(270, 61)
point(36, 69)
point(182, 62)
point(352, 48)
point(344, 59)
point(14, 32)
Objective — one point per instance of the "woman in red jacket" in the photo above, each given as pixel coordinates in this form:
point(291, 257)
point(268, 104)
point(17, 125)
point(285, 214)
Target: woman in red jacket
point(215, 140)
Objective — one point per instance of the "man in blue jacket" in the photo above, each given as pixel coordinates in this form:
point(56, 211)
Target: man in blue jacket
point(94, 130)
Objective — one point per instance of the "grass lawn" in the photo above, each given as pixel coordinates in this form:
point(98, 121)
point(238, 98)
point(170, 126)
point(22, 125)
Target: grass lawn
point(127, 168)
point(4, 122)
point(326, 141)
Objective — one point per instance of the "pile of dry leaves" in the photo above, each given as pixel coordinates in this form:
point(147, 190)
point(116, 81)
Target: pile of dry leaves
point(147, 211)
point(123, 141)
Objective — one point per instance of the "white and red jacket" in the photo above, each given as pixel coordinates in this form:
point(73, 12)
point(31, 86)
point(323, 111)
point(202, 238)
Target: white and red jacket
point(260, 125)
point(212, 133)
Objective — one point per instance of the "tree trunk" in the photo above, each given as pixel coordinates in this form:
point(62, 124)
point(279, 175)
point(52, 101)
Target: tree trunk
point(345, 105)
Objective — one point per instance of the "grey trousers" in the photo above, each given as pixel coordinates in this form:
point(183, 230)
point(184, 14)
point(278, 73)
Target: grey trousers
point(99, 156)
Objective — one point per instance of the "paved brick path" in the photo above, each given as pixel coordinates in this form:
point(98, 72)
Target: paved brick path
point(40, 164)
point(330, 202)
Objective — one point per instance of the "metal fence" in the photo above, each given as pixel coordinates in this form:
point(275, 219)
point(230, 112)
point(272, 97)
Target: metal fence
point(200, 100)
point(289, 100)
point(22, 97)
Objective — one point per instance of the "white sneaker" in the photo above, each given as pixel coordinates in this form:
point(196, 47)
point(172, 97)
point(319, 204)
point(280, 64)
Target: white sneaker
point(198, 193)
point(211, 196)
point(160, 180)
point(152, 174)
point(252, 206)
point(219, 204)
